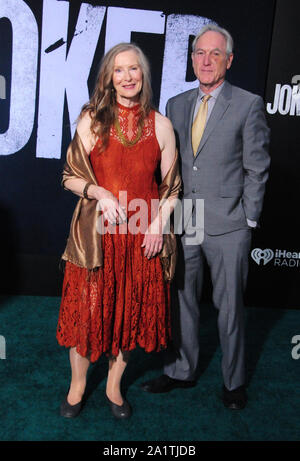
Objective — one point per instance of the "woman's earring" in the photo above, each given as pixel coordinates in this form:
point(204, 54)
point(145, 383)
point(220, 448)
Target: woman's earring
point(112, 93)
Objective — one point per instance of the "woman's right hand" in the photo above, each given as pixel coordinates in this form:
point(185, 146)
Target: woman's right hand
point(109, 205)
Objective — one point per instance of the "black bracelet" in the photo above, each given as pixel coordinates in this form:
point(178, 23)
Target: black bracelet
point(88, 184)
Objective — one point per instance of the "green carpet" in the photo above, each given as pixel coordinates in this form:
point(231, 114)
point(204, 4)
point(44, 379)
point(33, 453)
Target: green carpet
point(35, 375)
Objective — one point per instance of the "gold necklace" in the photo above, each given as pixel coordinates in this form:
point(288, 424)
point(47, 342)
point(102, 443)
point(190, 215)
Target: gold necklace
point(126, 142)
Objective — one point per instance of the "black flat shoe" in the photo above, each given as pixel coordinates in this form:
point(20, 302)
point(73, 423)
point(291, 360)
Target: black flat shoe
point(235, 399)
point(70, 411)
point(165, 384)
point(120, 411)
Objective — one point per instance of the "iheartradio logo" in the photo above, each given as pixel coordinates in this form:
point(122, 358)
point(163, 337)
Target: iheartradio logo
point(281, 258)
point(262, 255)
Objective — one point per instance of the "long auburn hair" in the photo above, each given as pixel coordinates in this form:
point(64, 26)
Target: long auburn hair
point(103, 104)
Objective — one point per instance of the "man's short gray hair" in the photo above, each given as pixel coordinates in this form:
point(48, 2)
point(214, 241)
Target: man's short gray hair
point(220, 30)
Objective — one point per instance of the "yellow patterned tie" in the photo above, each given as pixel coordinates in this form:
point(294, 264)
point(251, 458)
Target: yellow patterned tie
point(199, 124)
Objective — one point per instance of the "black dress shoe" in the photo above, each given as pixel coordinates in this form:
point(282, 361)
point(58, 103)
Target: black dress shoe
point(236, 399)
point(120, 411)
point(165, 384)
point(70, 411)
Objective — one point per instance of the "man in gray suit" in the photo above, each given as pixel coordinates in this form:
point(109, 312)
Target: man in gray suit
point(223, 140)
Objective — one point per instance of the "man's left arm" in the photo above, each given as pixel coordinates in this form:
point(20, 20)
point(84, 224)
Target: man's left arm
point(256, 160)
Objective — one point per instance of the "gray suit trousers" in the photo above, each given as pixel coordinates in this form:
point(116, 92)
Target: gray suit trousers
point(227, 258)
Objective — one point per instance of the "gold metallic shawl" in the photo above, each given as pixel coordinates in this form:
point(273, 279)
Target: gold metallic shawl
point(84, 242)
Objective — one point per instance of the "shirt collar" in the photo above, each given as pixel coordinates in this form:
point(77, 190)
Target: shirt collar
point(214, 94)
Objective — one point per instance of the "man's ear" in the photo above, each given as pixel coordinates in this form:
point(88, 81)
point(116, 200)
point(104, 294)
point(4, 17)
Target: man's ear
point(229, 61)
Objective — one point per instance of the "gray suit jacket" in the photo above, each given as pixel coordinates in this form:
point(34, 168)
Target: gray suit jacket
point(230, 169)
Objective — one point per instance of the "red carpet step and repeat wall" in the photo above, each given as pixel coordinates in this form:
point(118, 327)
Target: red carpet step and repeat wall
point(49, 56)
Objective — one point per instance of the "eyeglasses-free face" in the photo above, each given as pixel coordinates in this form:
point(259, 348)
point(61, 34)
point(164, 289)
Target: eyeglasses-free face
point(210, 60)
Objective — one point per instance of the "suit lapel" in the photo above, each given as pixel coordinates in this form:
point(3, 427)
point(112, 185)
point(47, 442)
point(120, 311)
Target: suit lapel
point(189, 114)
point(219, 109)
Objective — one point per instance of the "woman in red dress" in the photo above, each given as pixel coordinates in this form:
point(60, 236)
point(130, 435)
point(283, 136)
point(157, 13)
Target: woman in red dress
point(124, 301)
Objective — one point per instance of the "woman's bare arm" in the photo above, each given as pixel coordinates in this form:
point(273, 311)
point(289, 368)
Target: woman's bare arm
point(108, 202)
point(153, 240)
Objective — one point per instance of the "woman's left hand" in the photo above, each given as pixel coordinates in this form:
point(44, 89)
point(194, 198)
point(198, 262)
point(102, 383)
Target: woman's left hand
point(153, 240)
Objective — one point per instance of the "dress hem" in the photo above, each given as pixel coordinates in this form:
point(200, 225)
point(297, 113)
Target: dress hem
point(93, 357)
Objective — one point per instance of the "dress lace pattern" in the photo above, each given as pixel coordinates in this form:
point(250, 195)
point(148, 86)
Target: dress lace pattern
point(127, 301)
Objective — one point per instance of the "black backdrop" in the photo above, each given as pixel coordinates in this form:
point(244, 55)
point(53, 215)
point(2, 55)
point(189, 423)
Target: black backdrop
point(35, 212)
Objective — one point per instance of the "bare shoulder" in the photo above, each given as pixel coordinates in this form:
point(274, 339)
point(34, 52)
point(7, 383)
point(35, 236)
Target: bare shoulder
point(163, 122)
point(84, 131)
point(164, 132)
point(84, 122)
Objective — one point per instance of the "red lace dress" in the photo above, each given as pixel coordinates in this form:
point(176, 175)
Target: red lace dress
point(127, 301)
